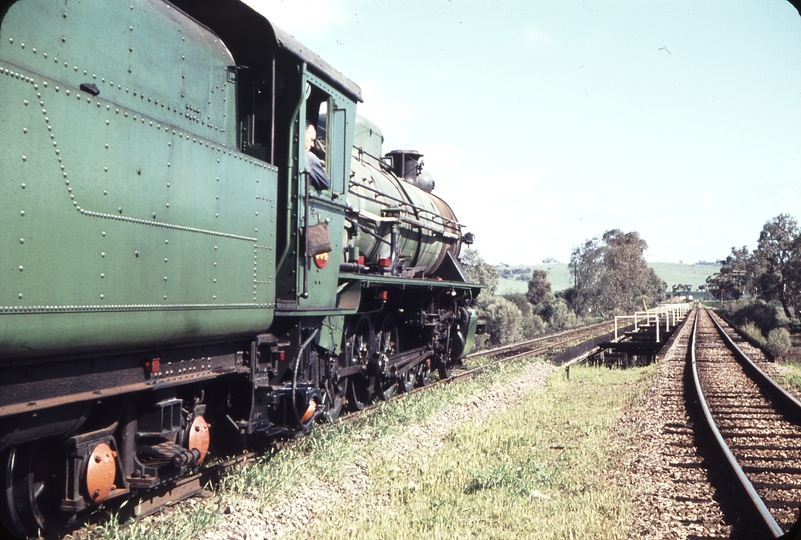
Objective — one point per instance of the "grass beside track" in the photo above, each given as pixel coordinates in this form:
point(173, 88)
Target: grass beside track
point(548, 467)
point(543, 469)
point(791, 377)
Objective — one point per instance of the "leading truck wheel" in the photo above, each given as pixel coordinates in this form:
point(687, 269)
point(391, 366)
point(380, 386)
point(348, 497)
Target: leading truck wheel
point(32, 479)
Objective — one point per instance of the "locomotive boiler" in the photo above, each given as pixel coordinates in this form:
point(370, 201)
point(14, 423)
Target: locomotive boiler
point(174, 284)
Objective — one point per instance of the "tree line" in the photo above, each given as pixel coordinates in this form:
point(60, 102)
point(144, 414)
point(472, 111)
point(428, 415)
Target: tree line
point(761, 289)
point(771, 272)
point(609, 275)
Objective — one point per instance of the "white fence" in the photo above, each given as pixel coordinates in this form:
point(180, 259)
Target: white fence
point(668, 314)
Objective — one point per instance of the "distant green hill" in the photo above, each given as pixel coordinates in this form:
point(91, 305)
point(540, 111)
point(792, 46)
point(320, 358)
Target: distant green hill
point(559, 275)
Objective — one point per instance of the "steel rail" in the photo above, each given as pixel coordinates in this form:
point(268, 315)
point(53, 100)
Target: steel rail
point(764, 381)
point(758, 505)
point(505, 348)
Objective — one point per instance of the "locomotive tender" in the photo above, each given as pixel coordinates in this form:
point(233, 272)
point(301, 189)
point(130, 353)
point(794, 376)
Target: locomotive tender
point(173, 284)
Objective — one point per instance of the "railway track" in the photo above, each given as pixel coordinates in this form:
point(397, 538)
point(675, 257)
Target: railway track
point(193, 485)
point(755, 424)
point(543, 343)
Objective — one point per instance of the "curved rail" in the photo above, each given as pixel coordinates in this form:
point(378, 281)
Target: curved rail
point(760, 511)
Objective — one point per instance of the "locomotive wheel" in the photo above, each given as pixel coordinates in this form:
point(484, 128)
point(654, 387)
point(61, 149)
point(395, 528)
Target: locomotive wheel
point(387, 340)
point(360, 392)
point(32, 477)
point(359, 350)
point(334, 399)
point(424, 372)
point(407, 380)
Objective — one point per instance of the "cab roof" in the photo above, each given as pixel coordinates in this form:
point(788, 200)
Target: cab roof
point(246, 30)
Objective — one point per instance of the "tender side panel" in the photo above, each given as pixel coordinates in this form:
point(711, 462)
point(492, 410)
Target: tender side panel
point(124, 222)
point(142, 54)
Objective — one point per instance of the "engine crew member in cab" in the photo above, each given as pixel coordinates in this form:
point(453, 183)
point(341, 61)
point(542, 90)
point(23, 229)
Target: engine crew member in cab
point(317, 175)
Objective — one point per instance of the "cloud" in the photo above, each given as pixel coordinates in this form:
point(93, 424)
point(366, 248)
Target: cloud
point(311, 15)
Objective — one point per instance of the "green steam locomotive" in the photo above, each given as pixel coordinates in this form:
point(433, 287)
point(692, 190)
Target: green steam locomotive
point(203, 246)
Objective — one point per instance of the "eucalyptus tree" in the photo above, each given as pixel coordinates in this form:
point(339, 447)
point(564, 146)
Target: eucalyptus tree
point(778, 254)
point(611, 274)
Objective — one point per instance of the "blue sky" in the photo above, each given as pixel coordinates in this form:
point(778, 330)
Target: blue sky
point(546, 123)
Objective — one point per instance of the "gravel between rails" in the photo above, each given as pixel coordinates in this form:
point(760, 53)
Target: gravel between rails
point(675, 500)
point(250, 521)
